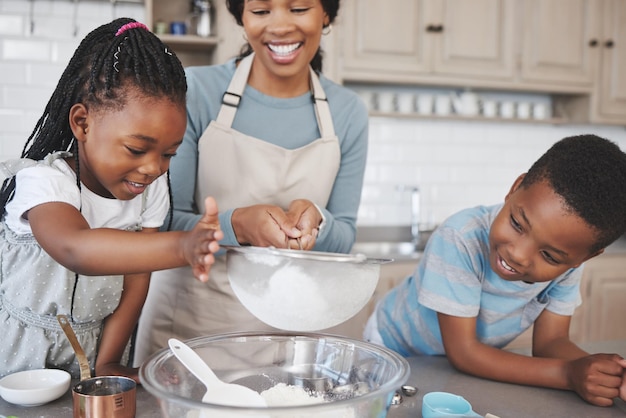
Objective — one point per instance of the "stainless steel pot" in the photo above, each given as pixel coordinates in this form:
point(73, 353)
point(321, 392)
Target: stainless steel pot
point(301, 291)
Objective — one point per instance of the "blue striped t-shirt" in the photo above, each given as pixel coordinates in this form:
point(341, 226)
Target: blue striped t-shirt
point(454, 277)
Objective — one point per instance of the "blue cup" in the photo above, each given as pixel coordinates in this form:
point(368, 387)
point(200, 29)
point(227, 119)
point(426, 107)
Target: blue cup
point(446, 405)
point(178, 28)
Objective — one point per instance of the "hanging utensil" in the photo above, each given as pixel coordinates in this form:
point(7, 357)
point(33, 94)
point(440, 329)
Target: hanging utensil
point(75, 18)
point(31, 16)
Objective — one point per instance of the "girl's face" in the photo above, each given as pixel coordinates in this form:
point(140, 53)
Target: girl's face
point(534, 238)
point(123, 150)
point(285, 35)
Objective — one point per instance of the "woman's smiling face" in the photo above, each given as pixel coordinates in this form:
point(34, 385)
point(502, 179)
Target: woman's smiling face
point(285, 34)
point(535, 238)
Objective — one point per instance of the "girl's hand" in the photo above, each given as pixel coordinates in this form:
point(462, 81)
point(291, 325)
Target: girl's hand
point(597, 378)
point(201, 242)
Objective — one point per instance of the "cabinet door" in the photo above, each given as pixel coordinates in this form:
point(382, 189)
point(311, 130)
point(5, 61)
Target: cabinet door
point(560, 41)
point(476, 38)
point(381, 36)
point(606, 294)
point(612, 81)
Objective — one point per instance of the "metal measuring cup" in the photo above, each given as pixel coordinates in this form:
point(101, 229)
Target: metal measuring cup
point(102, 396)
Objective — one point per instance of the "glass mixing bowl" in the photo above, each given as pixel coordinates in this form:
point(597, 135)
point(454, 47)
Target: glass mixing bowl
point(345, 378)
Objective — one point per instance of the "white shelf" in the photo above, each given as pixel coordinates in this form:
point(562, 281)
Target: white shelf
point(398, 115)
point(190, 42)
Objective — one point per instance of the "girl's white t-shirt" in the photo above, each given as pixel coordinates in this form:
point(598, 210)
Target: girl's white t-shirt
point(44, 183)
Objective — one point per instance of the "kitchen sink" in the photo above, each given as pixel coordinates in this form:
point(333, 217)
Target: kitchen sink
point(390, 248)
point(393, 250)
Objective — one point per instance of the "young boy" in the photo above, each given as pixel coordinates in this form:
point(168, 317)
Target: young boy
point(488, 273)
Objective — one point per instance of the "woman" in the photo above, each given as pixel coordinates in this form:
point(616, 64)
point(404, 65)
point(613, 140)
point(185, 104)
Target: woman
point(286, 170)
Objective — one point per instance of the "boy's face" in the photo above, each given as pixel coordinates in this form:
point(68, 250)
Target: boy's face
point(534, 238)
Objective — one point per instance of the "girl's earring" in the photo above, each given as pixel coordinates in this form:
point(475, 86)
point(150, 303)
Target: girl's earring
point(327, 29)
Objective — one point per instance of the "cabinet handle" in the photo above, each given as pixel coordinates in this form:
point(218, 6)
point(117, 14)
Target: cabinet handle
point(434, 28)
point(609, 43)
point(593, 43)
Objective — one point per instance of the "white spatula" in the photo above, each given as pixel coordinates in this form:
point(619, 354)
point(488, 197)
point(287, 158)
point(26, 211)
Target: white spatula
point(218, 392)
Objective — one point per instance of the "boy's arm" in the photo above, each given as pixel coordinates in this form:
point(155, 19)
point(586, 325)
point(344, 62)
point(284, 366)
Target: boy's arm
point(551, 337)
point(119, 326)
point(595, 378)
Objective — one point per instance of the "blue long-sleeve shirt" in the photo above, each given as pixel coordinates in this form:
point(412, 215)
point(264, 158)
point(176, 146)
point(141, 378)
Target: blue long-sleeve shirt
point(287, 123)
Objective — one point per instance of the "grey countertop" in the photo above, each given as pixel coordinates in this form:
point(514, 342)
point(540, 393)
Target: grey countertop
point(427, 374)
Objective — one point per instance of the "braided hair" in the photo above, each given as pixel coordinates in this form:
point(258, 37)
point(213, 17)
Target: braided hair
point(589, 173)
point(331, 8)
point(114, 58)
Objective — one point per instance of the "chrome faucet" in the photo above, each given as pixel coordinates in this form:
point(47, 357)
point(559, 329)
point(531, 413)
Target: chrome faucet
point(415, 211)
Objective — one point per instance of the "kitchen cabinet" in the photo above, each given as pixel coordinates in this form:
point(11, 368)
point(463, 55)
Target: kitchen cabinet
point(572, 49)
point(606, 102)
point(190, 49)
point(609, 100)
point(223, 44)
point(604, 294)
point(427, 40)
point(560, 42)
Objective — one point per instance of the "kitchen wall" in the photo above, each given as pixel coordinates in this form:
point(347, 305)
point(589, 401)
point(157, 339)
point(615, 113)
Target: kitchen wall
point(37, 39)
point(454, 163)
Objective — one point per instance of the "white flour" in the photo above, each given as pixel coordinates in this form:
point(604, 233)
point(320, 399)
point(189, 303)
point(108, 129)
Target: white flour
point(288, 395)
point(304, 297)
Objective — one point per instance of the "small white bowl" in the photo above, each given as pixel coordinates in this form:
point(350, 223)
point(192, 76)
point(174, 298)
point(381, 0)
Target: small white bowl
point(34, 387)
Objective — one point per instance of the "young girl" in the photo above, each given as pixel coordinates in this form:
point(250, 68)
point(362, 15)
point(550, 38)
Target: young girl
point(87, 199)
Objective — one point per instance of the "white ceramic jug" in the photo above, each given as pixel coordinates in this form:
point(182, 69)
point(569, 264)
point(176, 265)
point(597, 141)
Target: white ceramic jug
point(466, 103)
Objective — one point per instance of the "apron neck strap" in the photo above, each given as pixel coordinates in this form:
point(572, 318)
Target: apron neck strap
point(233, 95)
point(322, 110)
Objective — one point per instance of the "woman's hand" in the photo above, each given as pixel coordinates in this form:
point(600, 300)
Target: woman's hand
point(269, 225)
point(199, 244)
point(263, 226)
point(307, 218)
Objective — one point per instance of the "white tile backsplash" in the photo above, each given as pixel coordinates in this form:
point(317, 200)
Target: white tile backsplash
point(26, 50)
point(31, 62)
point(11, 25)
point(455, 164)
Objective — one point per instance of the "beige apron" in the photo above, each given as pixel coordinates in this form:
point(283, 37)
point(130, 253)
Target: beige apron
point(238, 170)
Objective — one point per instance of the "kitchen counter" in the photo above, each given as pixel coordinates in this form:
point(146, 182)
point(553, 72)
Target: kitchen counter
point(427, 374)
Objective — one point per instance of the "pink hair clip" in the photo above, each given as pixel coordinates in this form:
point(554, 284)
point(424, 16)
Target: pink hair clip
point(131, 25)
